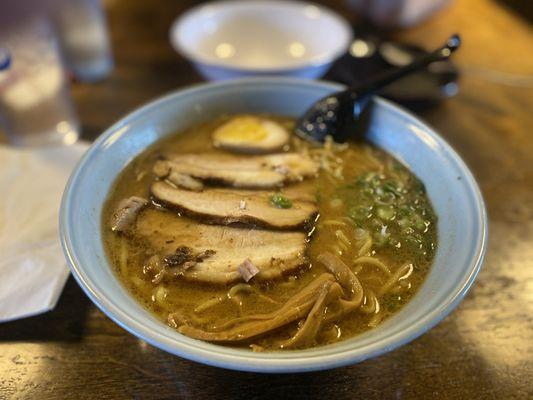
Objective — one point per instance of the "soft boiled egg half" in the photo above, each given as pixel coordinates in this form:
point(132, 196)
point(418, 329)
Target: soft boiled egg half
point(251, 134)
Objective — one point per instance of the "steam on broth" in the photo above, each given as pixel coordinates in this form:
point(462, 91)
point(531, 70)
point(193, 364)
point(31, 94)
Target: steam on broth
point(239, 233)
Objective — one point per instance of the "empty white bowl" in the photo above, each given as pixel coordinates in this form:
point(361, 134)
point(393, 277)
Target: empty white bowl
point(230, 39)
point(462, 226)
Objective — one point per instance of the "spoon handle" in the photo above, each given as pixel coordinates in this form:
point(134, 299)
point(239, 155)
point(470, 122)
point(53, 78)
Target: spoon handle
point(389, 76)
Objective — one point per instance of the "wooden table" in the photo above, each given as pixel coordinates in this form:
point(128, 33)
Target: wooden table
point(483, 350)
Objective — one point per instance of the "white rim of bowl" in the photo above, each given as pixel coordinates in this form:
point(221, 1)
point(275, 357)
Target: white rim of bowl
point(225, 64)
point(320, 358)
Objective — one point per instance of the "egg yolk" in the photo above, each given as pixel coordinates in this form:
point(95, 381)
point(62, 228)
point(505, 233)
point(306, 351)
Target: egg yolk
point(242, 129)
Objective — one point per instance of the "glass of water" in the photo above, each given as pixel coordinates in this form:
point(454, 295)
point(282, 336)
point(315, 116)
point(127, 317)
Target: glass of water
point(35, 104)
point(84, 38)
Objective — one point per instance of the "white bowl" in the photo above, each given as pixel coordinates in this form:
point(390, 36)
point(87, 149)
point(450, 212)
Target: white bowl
point(230, 39)
point(462, 227)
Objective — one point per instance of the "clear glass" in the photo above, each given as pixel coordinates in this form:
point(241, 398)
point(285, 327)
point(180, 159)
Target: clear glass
point(84, 39)
point(35, 104)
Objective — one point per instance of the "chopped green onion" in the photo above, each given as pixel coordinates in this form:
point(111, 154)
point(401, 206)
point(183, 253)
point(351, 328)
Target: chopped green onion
point(280, 201)
point(386, 213)
point(360, 213)
point(391, 205)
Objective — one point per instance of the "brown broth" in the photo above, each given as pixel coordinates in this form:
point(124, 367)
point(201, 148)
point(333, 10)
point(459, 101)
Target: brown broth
point(128, 255)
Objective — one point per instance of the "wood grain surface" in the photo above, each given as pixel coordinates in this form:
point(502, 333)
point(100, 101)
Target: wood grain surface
point(483, 350)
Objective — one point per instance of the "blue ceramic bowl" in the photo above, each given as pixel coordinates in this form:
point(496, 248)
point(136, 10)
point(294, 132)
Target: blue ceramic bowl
point(455, 195)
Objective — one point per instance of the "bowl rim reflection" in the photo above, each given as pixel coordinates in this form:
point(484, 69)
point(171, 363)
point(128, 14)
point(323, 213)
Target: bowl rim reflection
point(227, 64)
point(319, 358)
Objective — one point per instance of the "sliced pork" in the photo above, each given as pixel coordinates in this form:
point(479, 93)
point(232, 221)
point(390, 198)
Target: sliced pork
point(271, 252)
point(228, 206)
point(123, 219)
point(269, 171)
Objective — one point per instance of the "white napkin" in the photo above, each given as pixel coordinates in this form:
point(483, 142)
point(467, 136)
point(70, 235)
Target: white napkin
point(33, 269)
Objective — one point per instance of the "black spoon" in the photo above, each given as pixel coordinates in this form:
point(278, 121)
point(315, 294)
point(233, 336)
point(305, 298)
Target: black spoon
point(338, 114)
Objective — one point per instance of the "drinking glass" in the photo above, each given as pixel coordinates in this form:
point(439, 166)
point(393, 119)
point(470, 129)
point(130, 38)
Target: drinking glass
point(84, 39)
point(35, 104)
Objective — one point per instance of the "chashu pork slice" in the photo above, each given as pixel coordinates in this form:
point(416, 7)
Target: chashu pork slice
point(229, 206)
point(272, 252)
point(254, 172)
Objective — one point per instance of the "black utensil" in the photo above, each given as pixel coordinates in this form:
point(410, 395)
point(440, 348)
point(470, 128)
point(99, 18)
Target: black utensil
point(419, 91)
point(337, 114)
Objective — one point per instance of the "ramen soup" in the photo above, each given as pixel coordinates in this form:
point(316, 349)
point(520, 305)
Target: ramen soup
point(237, 232)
